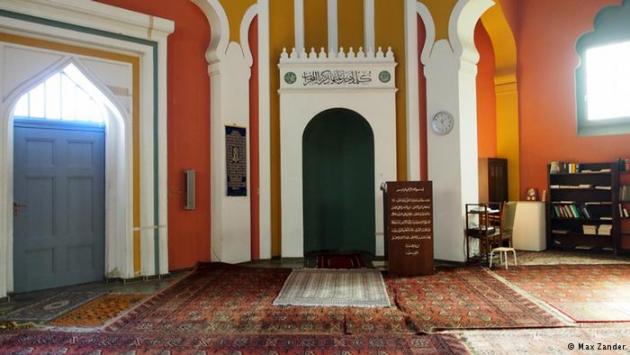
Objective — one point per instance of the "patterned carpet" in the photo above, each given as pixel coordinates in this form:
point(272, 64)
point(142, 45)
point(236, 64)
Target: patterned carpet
point(547, 341)
point(224, 299)
point(94, 343)
point(585, 293)
point(465, 299)
point(51, 307)
point(97, 312)
point(328, 287)
point(340, 261)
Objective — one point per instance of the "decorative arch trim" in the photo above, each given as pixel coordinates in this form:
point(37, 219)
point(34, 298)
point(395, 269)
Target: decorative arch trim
point(248, 18)
point(461, 29)
point(429, 26)
point(220, 28)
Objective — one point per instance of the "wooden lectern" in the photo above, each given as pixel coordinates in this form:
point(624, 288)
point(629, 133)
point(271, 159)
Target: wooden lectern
point(408, 208)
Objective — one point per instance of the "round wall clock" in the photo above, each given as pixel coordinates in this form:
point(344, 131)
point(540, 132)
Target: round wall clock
point(442, 123)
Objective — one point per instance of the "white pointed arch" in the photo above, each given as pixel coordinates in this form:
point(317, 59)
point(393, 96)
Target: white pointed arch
point(461, 29)
point(219, 28)
point(248, 18)
point(108, 98)
point(429, 26)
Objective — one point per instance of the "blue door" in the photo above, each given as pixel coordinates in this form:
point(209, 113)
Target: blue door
point(59, 208)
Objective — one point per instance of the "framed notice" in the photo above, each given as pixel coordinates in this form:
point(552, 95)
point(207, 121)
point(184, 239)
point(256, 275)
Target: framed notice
point(409, 227)
point(236, 160)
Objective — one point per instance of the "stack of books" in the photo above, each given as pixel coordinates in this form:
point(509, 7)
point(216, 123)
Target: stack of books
point(604, 229)
point(589, 229)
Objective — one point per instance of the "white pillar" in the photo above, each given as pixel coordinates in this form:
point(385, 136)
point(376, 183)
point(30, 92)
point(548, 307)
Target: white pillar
point(298, 7)
point(264, 133)
point(413, 107)
point(368, 25)
point(451, 72)
point(333, 27)
point(231, 227)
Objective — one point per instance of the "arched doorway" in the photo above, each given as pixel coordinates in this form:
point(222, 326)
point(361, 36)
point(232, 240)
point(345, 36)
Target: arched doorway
point(338, 188)
point(60, 127)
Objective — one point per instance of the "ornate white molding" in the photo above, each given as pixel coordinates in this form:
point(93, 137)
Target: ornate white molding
point(95, 15)
point(220, 29)
point(340, 70)
point(429, 26)
point(461, 31)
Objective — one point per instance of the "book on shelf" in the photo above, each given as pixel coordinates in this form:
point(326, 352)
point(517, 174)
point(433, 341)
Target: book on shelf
point(604, 229)
point(588, 229)
point(623, 212)
point(624, 193)
point(559, 231)
point(603, 187)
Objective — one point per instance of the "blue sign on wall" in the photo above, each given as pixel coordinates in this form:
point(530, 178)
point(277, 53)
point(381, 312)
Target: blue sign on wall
point(236, 160)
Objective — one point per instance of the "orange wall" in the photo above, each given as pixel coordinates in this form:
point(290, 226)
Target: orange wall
point(547, 62)
point(188, 126)
point(486, 95)
point(253, 135)
point(511, 11)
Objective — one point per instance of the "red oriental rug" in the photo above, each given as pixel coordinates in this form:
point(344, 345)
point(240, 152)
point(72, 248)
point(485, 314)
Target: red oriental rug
point(160, 343)
point(340, 261)
point(468, 298)
point(219, 299)
point(585, 293)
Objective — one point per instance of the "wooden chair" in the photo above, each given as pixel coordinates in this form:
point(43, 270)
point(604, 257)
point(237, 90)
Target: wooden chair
point(504, 235)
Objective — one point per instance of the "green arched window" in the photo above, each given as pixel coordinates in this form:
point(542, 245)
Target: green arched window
point(603, 76)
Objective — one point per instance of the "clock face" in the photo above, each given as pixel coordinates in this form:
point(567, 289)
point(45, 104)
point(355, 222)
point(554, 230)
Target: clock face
point(442, 123)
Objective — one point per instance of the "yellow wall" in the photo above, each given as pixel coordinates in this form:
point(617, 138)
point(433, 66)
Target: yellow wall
point(315, 24)
point(390, 31)
point(441, 11)
point(281, 29)
point(506, 87)
point(350, 16)
point(235, 10)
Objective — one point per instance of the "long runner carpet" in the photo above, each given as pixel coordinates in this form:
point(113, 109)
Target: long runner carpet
point(466, 298)
point(159, 343)
point(585, 293)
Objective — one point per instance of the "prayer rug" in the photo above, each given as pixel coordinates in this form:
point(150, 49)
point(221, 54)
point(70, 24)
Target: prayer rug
point(585, 293)
point(51, 307)
point(340, 261)
point(225, 299)
point(467, 298)
point(548, 341)
point(97, 312)
point(328, 287)
point(159, 343)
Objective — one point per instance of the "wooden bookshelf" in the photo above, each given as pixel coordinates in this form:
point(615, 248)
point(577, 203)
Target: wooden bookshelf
point(580, 203)
point(624, 223)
